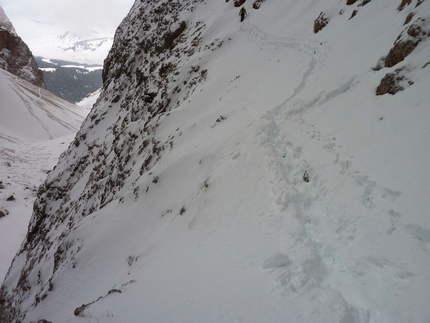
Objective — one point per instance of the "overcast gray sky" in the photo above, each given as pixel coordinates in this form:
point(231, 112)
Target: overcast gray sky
point(33, 19)
point(68, 13)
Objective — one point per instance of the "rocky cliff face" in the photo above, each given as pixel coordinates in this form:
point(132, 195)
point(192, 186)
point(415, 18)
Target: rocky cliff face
point(15, 56)
point(141, 77)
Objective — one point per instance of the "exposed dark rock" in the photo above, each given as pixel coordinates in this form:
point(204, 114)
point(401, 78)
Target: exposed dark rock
point(407, 41)
point(403, 4)
point(393, 82)
point(409, 18)
point(238, 3)
point(320, 22)
point(350, 2)
point(79, 311)
point(257, 4)
point(3, 212)
point(354, 13)
point(16, 57)
point(419, 2)
point(399, 52)
point(364, 2)
point(170, 37)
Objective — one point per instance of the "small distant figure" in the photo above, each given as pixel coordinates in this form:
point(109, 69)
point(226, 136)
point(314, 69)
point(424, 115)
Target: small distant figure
point(306, 177)
point(242, 13)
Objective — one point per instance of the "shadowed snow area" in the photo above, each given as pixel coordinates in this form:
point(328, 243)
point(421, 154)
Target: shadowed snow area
point(240, 172)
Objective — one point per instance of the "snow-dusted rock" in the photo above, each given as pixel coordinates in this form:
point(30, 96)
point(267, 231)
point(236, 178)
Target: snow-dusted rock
point(15, 56)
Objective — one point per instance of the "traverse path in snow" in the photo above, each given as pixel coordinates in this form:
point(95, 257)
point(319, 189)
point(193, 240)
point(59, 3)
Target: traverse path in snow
point(341, 268)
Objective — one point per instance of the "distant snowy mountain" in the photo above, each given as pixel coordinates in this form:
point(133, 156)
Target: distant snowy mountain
point(274, 170)
point(35, 127)
point(85, 47)
point(89, 46)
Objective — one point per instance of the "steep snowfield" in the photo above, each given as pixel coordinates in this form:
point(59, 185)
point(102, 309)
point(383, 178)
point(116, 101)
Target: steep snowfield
point(35, 127)
point(274, 187)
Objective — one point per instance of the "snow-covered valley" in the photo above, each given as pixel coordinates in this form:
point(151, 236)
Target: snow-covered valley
point(242, 172)
point(35, 128)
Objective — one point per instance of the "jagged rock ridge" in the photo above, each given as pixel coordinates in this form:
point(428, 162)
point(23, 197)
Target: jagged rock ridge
point(15, 56)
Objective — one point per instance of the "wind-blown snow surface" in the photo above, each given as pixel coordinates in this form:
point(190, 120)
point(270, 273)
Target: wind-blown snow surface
point(200, 213)
point(35, 127)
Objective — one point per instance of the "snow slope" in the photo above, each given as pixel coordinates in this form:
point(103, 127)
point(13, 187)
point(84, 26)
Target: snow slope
point(89, 100)
point(30, 113)
point(240, 173)
point(35, 127)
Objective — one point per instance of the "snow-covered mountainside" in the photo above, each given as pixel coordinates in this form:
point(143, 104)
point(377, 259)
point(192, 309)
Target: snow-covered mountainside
point(274, 170)
point(15, 56)
point(35, 127)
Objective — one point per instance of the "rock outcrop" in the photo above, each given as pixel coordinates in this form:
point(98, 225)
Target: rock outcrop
point(320, 22)
point(406, 42)
point(15, 56)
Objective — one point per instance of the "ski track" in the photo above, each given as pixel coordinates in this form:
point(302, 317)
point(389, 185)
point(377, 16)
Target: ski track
point(303, 203)
point(29, 102)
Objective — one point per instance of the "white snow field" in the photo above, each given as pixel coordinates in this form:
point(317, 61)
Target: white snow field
point(35, 127)
point(291, 191)
point(88, 102)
